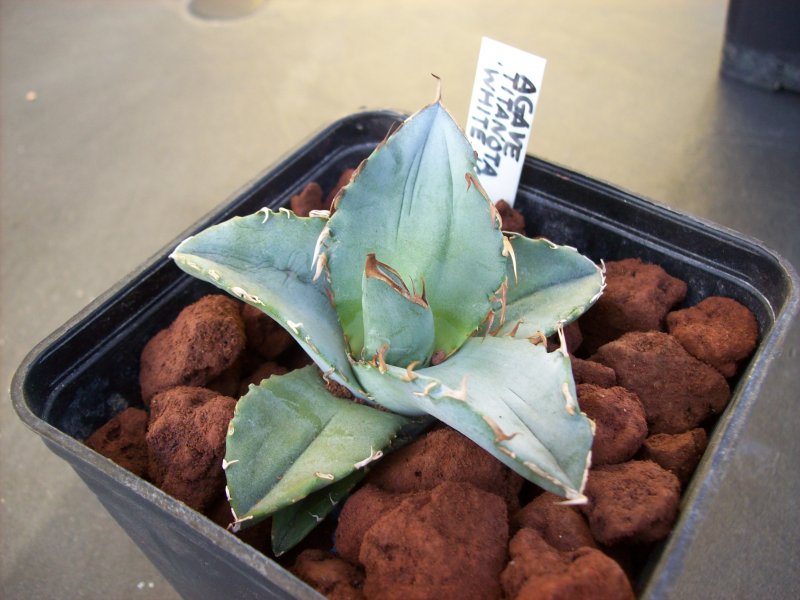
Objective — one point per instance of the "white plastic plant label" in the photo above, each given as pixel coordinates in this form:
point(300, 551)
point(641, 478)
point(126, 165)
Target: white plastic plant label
point(504, 96)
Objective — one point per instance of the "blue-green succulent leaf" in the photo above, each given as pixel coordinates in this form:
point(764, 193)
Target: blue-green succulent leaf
point(290, 437)
point(553, 286)
point(416, 204)
point(511, 397)
point(266, 260)
point(293, 523)
point(398, 323)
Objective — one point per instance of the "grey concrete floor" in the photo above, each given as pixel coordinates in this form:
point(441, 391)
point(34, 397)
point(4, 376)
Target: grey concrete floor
point(123, 122)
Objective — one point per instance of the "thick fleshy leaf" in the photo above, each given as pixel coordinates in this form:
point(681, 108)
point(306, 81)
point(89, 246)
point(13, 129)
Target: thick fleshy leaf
point(415, 203)
point(290, 437)
point(398, 324)
point(513, 398)
point(265, 259)
point(293, 523)
point(554, 286)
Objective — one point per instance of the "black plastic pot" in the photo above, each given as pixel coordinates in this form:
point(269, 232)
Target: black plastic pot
point(85, 372)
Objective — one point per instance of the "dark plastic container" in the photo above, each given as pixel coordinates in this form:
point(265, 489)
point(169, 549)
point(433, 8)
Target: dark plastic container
point(762, 43)
point(85, 372)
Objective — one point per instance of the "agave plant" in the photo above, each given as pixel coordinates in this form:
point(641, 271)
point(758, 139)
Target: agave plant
point(408, 294)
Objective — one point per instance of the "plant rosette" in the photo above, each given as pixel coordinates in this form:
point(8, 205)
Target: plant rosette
point(409, 294)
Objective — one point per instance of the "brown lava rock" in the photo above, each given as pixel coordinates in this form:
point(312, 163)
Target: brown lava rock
point(589, 371)
point(678, 453)
point(512, 219)
point(186, 443)
point(205, 340)
point(446, 455)
point(449, 542)
point(331, 576)
point(360, 512)
point(563, 527)
point(678, 391)
point(307, 200)
point(718, 331)
point(264, 335)
point(620, 424)
point(632, 502)
point(538, 571)
point(122, 440)
point(228, 382)
point(637, 297)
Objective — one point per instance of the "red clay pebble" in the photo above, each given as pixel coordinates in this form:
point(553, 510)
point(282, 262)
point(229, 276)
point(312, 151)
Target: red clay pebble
point(344, 179)
point(620, 424)
point(446, 455)
point(331, 576)
point(122, 439)
point(563, 527)
point(718, 331)
point(588, 371)
point(338, 390)
point(678, 453)
point(264, 335)
point(228, 382)
point(296, 358)
point(632, 502)
point(449, 542)
point(512, 219)
point(637, 297)
point(538, 571)
point(186, 443)
point(678, 391)
point(265, 371)
point(205, 339)
point(360, 512)
point(309, 199)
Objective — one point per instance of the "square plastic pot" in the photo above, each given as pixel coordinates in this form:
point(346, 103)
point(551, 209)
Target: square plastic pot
point(87, 371)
